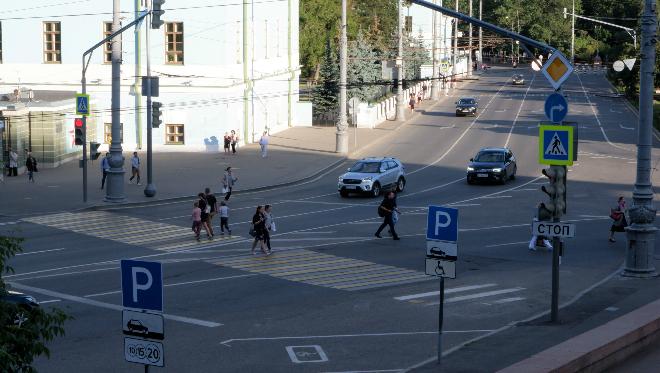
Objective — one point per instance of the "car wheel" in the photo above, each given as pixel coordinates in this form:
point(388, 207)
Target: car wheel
point(513, 176)
point(470, 181)
point(343, 193)
point(375, 190)
point(400, 184)
point(504, 178)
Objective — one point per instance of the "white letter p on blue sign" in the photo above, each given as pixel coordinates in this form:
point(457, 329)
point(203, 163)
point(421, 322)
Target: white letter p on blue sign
point(136, 285)
point(442, 224)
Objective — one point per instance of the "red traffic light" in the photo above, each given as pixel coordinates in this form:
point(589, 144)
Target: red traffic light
point(78, 122)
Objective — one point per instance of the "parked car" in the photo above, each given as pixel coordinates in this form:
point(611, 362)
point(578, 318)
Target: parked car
point(518, 80)
point(25, 303)
point(372, 176)
point(466, 106)
point(492, 164)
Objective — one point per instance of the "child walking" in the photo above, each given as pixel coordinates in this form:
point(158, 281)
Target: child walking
point(224, 218)
point(197, 220)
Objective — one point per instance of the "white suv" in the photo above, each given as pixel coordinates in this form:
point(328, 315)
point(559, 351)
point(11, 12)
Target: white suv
point(373, 175)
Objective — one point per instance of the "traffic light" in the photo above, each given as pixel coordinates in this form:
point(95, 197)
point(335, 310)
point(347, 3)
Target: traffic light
point(556, 190)
point(155, 114)
point(79, 137)
point(156, 13)
point(94, 150)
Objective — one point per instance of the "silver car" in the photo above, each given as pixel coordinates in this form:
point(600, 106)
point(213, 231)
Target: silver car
point(373, 175)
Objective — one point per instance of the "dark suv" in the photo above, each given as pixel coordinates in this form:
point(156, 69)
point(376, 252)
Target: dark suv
point(25, 304)
point(492, 164)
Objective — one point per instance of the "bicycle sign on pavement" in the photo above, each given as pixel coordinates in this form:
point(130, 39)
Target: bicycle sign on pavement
point(556, 145)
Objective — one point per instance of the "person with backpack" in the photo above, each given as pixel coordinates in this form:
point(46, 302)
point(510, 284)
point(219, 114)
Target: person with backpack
point(618, 214)
point(205, 209)
point(386, 209)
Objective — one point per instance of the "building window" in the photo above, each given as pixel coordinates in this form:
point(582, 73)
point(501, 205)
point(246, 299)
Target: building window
point(52, 42)
point(174, 134)
point(174, 43)
point(0, 42)
point(107, 132)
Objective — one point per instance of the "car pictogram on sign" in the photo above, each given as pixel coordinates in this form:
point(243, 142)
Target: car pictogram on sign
point(136, 326)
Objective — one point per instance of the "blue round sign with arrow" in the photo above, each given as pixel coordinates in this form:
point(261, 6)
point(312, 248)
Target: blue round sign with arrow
point(556, 108)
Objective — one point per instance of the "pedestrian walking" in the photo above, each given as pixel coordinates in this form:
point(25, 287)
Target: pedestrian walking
point(419, 97)
point(234, 142)
point(386, 209)
point(536, 240)
point(227, 142)
point(228, 181)
point(257, 231)
point(13, 163)
point(270, 226)
point(263, 142)
point(197, 220)
point(205, 209)
point(224, 218)
point(31, 165)
point(411, 103)
point(135, 169)
point(105, 168)
point(213, 203)
point(618, 215)
point(424, 88)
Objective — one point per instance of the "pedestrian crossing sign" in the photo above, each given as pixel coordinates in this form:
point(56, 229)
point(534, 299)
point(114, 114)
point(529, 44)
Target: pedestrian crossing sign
point(556, 145)
point(82, 104)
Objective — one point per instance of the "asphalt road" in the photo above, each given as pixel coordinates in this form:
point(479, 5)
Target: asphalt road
point(358, 303)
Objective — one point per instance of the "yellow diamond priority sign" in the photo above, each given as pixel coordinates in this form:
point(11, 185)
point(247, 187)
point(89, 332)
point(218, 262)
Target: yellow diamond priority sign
point(557, 69)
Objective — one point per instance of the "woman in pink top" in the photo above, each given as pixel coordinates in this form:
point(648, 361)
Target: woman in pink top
point(197, 219)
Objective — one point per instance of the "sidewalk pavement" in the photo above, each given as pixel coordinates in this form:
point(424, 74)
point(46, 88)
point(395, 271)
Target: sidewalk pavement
point(294, 155)
point(603, 329)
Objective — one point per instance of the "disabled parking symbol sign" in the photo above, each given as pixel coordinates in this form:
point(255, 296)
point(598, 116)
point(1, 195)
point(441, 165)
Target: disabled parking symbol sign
point(556, 145)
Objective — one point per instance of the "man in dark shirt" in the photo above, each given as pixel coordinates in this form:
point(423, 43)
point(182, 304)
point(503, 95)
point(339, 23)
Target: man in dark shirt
point(386, 208)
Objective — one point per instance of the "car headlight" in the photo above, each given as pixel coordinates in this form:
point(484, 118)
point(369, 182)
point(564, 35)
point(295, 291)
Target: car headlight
point(368, 178)
point(497, 170)
point(31, 299)
point(470, 168)
point(341, 178)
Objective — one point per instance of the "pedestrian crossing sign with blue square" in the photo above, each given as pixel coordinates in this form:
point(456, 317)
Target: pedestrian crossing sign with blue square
point(82, 104)
point(556, 145)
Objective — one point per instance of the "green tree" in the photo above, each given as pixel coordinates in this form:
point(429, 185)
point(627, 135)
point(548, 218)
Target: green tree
point(324, 95)
point(415, 55)
point(364, 70)
point(22, 341)
point(319, 20)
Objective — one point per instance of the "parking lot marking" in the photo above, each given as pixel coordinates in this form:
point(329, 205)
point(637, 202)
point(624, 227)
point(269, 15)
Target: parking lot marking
point(39, 252)
point(478, 295)
point(306, 354)
point(91, 302)
point(507, 244)
point(447, 291)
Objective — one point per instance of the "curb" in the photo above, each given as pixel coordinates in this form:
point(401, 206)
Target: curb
point(599, 348)
point(237, 192)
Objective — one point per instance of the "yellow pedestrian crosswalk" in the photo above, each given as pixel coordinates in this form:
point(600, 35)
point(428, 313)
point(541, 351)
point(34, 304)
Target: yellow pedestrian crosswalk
point(127, 230)
point(314, 268)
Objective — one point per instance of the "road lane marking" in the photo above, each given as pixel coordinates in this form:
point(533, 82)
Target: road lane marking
point(461, 136)
point(40, 251)
point(461, 298)
point(507, 244)
point(508, 300)
point(228, 342)
point(515, 120)
point(176, 284)
point(9, 223)
point(626, 128)
point(91, 302)
point(447, 291)
point(49, 301)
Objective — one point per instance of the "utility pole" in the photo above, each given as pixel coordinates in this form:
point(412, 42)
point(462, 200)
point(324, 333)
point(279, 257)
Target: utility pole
point(115, 180)
point(342, 124)
point(470, 43)
point(136, 84)
point(400, 105)
point(435, 82)
point(150, 189)
point(641, 233)
point(480, 59)
point(573, 34)
point(455, 53)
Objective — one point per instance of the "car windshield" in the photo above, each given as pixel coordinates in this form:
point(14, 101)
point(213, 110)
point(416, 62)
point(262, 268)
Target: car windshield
point(466, 101)
point(366, 167)
point(489, 157)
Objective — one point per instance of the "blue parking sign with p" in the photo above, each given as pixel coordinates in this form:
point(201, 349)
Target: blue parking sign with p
point(142, 285)
point(442, 224)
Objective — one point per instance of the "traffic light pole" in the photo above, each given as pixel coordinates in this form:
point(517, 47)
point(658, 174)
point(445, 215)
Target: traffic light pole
point(150, 189)
point(86, 58)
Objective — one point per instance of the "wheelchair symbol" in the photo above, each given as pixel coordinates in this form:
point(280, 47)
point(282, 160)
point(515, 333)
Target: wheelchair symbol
point(439, 270)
